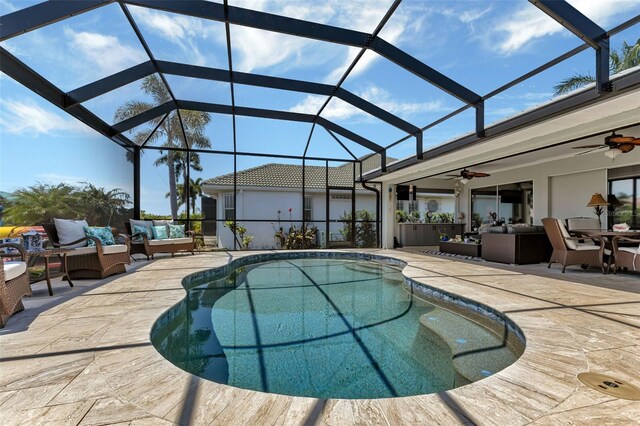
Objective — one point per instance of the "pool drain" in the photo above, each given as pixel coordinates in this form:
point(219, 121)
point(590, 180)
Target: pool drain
point(610, 386)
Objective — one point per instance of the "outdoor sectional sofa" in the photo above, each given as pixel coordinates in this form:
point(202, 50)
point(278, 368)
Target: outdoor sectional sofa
point(518, 245)
point(142, 244)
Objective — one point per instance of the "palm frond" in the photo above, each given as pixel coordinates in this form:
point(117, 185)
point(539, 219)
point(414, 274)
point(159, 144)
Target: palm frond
point(572, 83)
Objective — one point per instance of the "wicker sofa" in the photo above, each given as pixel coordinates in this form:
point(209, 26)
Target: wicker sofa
point(14, 283)
point(141, 244)
point(95, 262)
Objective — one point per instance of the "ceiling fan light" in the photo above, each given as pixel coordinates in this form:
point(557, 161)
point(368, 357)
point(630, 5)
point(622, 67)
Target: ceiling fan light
point(613, 153)
point(464, 181)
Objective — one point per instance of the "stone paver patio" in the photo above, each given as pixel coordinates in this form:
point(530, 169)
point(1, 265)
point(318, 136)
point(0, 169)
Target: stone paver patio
point(89, 360)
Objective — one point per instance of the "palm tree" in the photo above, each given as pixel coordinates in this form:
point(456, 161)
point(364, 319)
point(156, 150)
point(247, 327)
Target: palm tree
point(170, 132)
point(628, 57)
point(41, 203)
point(101, 206)
point(195, 191)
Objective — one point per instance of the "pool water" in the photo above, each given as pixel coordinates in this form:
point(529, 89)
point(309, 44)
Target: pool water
point(326, 328)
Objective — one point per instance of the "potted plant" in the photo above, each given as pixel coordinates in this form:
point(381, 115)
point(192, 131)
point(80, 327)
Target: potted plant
point(401, 216)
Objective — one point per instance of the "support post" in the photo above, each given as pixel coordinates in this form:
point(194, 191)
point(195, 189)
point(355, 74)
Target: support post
point(603, 84)
point(419, 146)
point(480, 119)
point(136, 182)
point(353, 206)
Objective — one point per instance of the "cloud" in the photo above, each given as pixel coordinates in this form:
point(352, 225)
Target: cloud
point(469, 16)
point(30, 118)
point(104, 51)
point(254, 49)
point(7, 7)
point(338, 109)
point(529, 23)
point(182, 31)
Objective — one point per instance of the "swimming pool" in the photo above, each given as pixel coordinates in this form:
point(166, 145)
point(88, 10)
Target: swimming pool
point(327, 328)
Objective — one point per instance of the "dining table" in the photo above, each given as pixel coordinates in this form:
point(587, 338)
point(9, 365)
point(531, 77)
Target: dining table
point(607, 236)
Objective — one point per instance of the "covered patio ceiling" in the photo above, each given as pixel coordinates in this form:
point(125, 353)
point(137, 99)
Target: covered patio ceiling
point(22, 21)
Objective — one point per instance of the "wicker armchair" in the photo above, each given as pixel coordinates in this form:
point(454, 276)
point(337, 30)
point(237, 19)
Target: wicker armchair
point(149, 247)
point(96, 262)
point(568, 250)
point(14, 284)
point(626, 257)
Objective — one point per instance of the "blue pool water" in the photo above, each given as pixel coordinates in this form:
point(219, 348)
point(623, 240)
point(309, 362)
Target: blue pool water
point(326, 328)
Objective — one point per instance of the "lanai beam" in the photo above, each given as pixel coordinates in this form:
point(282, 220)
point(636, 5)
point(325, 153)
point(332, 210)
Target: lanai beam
point(159, 110)
point(590, 32)
point(297, 27)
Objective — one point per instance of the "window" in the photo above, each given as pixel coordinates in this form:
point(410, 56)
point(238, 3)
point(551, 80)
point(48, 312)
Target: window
point(413, 206)
point(511, 203)
point(623, 202)
point(228, 206)
point(307, 208)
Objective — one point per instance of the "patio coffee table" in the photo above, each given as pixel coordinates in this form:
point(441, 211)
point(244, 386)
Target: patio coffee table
point(465, 249)
point(47, 253)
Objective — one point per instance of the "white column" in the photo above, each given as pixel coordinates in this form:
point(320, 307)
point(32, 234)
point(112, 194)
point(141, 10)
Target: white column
point(388, 215)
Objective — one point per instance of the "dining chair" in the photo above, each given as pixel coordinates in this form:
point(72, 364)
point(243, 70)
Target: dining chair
point(568, 250)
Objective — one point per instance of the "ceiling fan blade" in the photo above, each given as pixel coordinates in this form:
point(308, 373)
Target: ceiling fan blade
point(590, 146)
point(636, 141)
point(479, 174)
point(621, 139)
point(597, 148)
point(626, 147)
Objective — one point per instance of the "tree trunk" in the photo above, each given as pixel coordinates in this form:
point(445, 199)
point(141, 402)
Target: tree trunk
point(173, 197)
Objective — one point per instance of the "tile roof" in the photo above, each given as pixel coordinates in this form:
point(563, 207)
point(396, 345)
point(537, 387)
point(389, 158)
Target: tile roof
point(277, 175)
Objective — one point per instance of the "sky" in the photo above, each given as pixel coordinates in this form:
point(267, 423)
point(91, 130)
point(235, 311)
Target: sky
point(480, 44)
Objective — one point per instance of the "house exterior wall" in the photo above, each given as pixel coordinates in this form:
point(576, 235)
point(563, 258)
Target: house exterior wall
point(264, 204)
point(561, 187)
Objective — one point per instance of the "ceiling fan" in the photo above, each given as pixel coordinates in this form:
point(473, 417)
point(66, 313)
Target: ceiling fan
point(466, 175)
point(615, 144)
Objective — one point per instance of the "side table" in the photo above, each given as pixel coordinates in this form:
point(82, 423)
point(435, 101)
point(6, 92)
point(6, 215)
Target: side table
point(47, 253)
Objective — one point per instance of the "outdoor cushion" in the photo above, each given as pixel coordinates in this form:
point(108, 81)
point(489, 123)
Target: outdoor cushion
point(147, 223)
point(583, 247)
point(170, 241)
point(176, 231)
point(631, 250)
point(113, 249)
point(14, 270)
point(137, 229)
point(162, 222)
point(69, 231)
point(589, 247)
point(160, 232)
point(571, 244)
point(582, 223)
point(104, 234)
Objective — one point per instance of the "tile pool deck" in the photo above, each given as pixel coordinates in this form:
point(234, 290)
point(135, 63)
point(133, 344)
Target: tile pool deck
point(89, 360)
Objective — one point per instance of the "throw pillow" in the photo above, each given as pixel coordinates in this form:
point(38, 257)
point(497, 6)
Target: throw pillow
point(137, 229)
point(147, 223)
point(70, 231)
point(160, 232)
point(176, 231)
point(103, 234)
